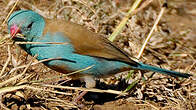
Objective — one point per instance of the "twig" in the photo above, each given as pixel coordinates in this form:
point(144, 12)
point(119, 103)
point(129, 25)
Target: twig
point(150, 34)
point(146, 3)
point(61, 43)
point(10, 12)
point(86, 89)
point(42, 43)
point(124, 21)
point(17, 76)
point(41, 89)
point(10, 89)
point(8, 60)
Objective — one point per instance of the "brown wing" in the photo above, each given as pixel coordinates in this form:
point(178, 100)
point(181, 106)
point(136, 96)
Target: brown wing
point(88, 43)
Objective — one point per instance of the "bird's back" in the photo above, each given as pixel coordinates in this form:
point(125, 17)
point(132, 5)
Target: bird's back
point(86, 42)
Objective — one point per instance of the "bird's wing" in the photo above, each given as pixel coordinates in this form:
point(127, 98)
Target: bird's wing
point(88, 43)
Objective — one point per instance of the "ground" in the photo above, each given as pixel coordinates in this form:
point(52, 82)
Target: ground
point(172, 46)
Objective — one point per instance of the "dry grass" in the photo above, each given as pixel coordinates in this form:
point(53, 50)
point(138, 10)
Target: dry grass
point(23, 82)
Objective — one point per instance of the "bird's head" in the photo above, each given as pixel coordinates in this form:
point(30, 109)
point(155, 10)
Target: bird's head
point(26, 23)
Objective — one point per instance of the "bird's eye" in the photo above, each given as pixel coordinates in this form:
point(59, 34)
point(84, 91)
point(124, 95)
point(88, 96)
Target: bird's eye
point(30, 25)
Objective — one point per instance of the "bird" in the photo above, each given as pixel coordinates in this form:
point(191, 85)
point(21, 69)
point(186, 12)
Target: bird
point(83, 48)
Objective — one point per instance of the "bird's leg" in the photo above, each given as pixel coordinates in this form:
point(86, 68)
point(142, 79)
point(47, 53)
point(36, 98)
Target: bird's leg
point(90, 83)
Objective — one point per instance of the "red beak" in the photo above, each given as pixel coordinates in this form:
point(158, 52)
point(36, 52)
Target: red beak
point(14, 30)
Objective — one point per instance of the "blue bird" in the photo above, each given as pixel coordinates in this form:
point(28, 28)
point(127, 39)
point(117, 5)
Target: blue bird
point(83, 49)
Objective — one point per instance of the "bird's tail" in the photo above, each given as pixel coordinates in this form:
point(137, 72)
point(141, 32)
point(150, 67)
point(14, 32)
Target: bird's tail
point(142, 66)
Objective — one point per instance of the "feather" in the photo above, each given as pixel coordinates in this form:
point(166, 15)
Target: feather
point(86, 42)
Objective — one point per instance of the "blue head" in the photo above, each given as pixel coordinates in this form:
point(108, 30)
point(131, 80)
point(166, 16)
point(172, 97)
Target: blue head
point(26, 22)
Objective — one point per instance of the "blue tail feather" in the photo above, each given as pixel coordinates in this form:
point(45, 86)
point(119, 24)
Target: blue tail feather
point(142, 66)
